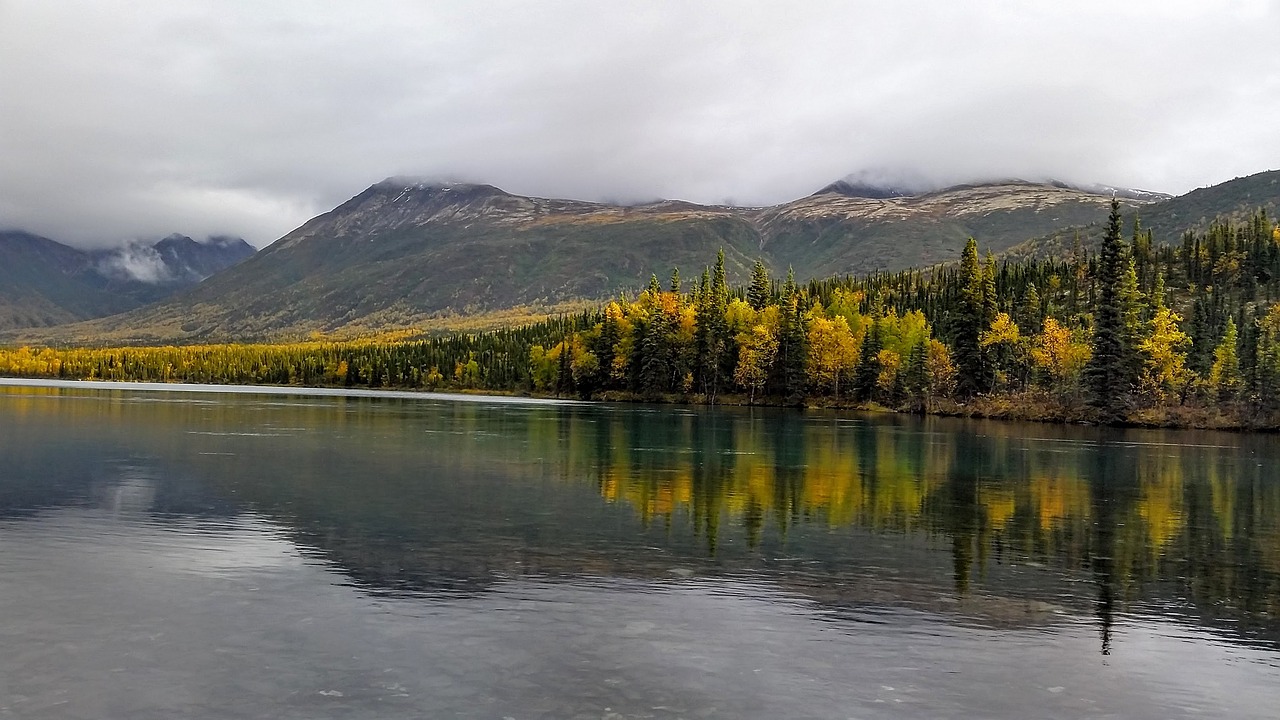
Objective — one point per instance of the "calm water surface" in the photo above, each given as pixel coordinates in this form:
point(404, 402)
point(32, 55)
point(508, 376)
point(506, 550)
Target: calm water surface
point(248, 555)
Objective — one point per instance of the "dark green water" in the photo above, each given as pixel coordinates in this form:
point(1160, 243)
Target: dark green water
point(219, 555)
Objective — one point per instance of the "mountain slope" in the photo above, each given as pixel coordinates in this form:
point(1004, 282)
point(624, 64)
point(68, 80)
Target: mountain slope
point(1169, 219)
point(832, 233)
point(147, 273)
point(399, 251)
point(402, 251)
point(45, 283)
point(188, 261)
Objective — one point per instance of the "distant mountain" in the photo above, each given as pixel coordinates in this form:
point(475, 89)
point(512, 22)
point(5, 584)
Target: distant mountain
point(836, 232)
point(150, 272)
point(1120, 192)
point(43, 282)
point(862, 190)
point(404, 250)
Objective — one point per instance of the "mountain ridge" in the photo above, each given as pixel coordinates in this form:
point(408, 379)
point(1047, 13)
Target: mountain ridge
point(44, 282)
point(1168, 220)
point(404, 251)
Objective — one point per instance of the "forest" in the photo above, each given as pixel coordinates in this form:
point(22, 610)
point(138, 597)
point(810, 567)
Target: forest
point(1136, 332)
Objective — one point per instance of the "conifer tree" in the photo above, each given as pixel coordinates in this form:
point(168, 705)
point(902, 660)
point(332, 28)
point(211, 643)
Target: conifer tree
point(1111, 372)
point(916, 378)
point(760, 290)
point(990, 301)
point(564, 374)
point(797, 376)
point(1131, 318)
point(969, 325)
point(1032, 316)
point(793, 357)
point(867, 372)
point(714, 350)
point(1267, 372)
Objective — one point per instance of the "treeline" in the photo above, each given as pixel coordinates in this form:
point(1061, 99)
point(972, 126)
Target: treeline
point(491, 360)
point(1182, 333)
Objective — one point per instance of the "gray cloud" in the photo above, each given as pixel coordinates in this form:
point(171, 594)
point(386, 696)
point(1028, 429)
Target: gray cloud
point(146, 118)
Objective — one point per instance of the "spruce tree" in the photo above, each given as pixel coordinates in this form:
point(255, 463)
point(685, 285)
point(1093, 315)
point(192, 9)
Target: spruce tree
point(867, 372)
point(760, 290)
point(969, 325)
point(714, 351)
point(1112, 371)
point(1131, 319)
point(1267, 369)
point(1031, 316)
point(604, 348)
point(916, 376)
point(796, 336)
point(564, 373)
point(990, 301)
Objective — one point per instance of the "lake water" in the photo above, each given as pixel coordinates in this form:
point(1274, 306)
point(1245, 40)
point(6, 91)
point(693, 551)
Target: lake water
point(250, 555)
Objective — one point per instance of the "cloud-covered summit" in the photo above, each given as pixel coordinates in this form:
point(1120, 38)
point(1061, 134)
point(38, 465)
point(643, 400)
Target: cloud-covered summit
point(174, 260)
point(242, 118)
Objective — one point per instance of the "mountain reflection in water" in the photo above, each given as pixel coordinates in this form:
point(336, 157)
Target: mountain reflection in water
point(990, 526)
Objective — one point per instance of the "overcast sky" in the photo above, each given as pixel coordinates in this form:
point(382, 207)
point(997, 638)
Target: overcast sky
point(138, 119)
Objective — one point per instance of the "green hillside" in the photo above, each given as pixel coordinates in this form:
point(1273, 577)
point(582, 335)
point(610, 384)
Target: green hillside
point(1168, 220)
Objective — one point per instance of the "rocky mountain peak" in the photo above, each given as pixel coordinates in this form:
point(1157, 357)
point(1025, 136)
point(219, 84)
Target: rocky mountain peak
point(863, 190)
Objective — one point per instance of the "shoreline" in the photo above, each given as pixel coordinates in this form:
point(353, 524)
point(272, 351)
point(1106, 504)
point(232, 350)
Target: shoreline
point(313, 391)
point(1023, 407)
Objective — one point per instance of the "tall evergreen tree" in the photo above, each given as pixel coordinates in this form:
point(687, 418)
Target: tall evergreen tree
point(795, 335)
point(969, 325)
point(867, 371)
point(656, 361)
point(990, 300)
point(1031, 316)
point(1112, 371)
point(761, 288)
point(1267, 370)
point(916, 376)
point(715, 359)
point(605, 348)
point(1131, 319)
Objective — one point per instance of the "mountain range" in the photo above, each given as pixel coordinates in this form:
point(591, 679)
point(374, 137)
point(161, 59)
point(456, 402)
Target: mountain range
point(45, 283)
point(405, 250)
